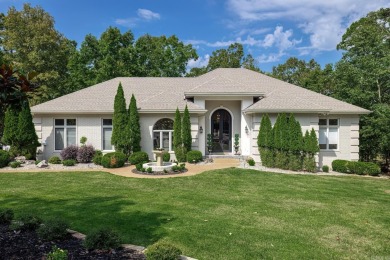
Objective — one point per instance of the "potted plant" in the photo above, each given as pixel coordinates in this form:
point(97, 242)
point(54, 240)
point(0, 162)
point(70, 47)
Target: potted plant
point(236, 143)
point(209, 143)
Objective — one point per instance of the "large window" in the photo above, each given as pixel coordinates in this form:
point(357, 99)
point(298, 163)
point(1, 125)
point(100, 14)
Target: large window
point(328, 134)
point(162, 134)
point(64, 133)
point(107, 133)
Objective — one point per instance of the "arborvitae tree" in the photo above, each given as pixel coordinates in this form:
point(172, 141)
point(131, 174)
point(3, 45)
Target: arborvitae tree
point(314, 147)
point(120, 137)
point(295, 144)
point(27, 138)
point(134, 126)
point(310, 149)
point(186, 130)
point(281, 139)
point(177, 140)
point(11, 132)
point(265, 140)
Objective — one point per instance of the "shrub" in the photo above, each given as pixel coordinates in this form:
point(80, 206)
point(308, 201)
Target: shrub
point(55, 160)
point(113, 160)
point(139, 157)
point(57, 254)
point(251, 162)
point(325, 168)
point(149, 170)
point(83, 140)
point(309, 163)
point(143, 169)
point(162, 251)
point(69, 162)
point(166, 157)
point(97, 158)
point(6, 216)
point(138, 166)
point(15, 164)
point(340, 166)
point(53, 229)
point(69, 153)
point(180, 153)
point(85, 154)
point(4, 158)
point(175, 168)
point(27, 222)
point(372, 169)
point(102, 239)
point(194, 156)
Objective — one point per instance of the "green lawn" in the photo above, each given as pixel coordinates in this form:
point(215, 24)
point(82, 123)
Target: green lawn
point(224, 214)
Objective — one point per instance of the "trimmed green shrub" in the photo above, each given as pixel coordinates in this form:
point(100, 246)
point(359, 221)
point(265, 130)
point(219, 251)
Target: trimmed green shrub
point(69, 162)
point(182, 167)
point(15, 164)
point(55, 160)
point(6, 216)
point(57, 253)
point(69, 153)
point(27, 222)
point(139, 157)
point(143, 169)
point(149, 170)
point(194, 156)
point(251, 162)
point(166, 157)
point(83, 140)
point(53, 229)
point(85, 154)
point(4, 158)
point(325, 168)
point(114, 160)
point(102, 239)
point(180, 153)
point(372, 169)
point(138, 166)
point(340, 166)
point(97, 158)
point(162, 251)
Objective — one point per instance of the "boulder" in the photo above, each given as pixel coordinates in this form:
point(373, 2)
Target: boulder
point(21, 159)
point(42, 164)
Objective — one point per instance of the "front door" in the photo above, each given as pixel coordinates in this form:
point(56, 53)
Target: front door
point(221, 129)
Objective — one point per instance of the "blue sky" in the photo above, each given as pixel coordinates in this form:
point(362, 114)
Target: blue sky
point(272, 30)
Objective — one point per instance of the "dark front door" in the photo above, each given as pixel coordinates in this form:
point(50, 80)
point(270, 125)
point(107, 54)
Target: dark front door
point(221, 129)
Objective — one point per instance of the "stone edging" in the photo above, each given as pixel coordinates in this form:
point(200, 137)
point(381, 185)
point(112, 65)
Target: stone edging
point(142, 249)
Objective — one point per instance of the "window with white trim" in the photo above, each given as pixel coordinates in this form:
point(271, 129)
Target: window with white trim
point(328, 134)
point(162, 134)
point(64, 133)
point(107, 134)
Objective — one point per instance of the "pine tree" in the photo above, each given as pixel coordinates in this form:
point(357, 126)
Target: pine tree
point(186, 130)
point(27, 138)
point(177, 139)
point(120, 135)
point(134, 126)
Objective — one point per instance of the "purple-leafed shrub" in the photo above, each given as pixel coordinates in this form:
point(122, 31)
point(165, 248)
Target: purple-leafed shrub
point(85, 154)
point(69, 153)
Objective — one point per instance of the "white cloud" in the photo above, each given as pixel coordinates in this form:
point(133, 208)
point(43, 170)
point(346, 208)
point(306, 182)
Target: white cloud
point(324, 21)
point(147, 14)
point(129, 22)
point(273, 57)
point(200, 62)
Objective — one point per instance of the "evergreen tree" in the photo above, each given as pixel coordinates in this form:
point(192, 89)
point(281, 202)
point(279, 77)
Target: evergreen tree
point(27, 139)
point(11, 132)
point(310, 149)
point(177, 140)
point(134, 126)
point(119, 136)
point(265, 140)
point(295, 144)
point(281, 139)
point(186, 130)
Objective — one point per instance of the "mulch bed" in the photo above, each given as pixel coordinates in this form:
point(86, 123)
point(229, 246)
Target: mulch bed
point(27, 245)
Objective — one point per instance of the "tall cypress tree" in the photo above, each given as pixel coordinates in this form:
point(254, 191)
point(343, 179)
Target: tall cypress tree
point(265, 140)
point(186, 130)
point(177, 140)
point(134, 126)
point(27, 138)
point(11, 132)
point(310, 148)
point(119, 136)
point(295, 144)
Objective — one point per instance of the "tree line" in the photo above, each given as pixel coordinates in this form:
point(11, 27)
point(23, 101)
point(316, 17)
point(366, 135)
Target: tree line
point(30, 42)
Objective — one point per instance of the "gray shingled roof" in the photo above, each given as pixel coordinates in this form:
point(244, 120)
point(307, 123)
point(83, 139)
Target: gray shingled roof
point(165, 94)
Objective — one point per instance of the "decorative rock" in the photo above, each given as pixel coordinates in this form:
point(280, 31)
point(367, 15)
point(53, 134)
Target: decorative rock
point(28, 162)
point(21, 159)
point(42, 164)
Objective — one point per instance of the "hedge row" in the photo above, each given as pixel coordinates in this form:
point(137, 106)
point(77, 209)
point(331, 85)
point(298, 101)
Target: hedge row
point(360, 168)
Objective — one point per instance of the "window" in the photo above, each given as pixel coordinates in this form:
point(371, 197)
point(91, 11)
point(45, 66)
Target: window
point(64, 133)
point(107, 133)
point(328, 134)
point(162, 134)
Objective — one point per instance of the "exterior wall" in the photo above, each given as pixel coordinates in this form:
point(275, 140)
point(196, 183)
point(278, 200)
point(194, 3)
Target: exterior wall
point(90, 126)
point(348, 136)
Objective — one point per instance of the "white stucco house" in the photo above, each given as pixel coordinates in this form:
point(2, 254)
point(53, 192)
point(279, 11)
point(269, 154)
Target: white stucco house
point(223, 102)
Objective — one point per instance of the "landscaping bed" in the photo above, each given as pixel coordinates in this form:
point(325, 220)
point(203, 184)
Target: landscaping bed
point(27, 245)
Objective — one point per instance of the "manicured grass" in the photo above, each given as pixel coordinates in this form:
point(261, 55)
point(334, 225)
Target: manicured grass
point(224, 214)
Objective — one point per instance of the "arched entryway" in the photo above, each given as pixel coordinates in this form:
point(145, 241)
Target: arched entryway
point(221, 130)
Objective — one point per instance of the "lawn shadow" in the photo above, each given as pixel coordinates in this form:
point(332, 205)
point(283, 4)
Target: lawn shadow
point(86, 214)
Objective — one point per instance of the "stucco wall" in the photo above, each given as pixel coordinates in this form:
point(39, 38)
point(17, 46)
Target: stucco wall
point(348, 136)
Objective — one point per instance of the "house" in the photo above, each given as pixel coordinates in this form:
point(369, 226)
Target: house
point(223, 102)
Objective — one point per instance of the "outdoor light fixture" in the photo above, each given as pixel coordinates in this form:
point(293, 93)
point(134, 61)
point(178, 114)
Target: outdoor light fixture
point(201, 129)
point(246, 129)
